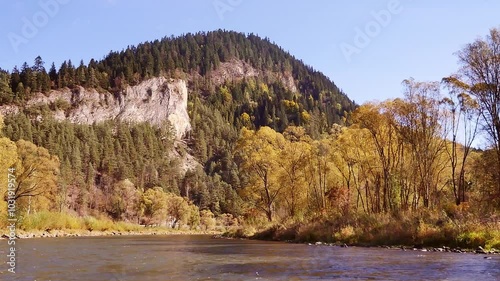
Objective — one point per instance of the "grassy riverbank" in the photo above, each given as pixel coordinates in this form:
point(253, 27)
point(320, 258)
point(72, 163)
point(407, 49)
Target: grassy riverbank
point(50, 224)
point(425, 229)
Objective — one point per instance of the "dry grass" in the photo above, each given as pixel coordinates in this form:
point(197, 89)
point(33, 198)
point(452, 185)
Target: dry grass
point(426, 228)
point(42, 221)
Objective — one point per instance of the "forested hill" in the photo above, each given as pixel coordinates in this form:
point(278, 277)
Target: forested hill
point(233, 81)
point(209, 61)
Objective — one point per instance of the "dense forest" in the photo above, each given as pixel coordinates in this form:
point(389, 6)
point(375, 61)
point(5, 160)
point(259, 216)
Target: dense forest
point(302, 161)
point(95, 160)
point(193, 56)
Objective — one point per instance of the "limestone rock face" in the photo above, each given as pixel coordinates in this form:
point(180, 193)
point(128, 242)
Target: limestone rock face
point(155, 101)
point(236, 70)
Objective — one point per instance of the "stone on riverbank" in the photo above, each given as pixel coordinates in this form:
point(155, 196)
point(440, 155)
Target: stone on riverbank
point(480, 250)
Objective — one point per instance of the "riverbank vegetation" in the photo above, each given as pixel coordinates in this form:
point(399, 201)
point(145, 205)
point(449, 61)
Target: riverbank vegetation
point(403, 172)
point(409, 230)
point(274, 161)
point(60, 224)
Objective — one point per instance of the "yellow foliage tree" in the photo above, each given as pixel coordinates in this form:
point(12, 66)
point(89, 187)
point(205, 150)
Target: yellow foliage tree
point(258, 152)
point(124, 200)
point(377, 119)
point(36, 174)
point(8, 157)
point(154, 206)
point(292, 173)
point(246, 120)
point(178, 210)
point(349, 155)
point(319, 175)
point(418, 120)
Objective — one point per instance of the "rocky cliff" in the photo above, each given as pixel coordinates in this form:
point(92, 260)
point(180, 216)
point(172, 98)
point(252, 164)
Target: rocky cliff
point(236, 70)
point(153, 101)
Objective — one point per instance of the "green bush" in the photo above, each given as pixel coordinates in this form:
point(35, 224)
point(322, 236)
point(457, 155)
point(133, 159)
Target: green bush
point(494, 242)
point(472, 239)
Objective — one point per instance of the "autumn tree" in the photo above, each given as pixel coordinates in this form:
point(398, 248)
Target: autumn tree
point(318, 172)
point(8, 156)
point(479, 76)
point(36, 173)
point(124, 200)
point(154, 206)
point(377, 120)
point(346, 160)
point(292, 161)
point(418, 119)
point(484, 181)
point(464, 118)
point(181, 212)
point(355, 160)
point(258, 152)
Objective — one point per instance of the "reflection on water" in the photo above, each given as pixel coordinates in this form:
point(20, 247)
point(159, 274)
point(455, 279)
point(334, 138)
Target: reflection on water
point(202, 258)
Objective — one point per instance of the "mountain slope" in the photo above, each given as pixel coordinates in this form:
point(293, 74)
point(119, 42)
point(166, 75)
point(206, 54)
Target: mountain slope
point(207, 60)
point(231, 81)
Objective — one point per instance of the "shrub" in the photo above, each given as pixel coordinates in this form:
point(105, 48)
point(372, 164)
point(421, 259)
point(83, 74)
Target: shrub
point(207, 220)
point(494, 242)
point(472, 239)
point(50, 221)
point(60, 104)
point(346, 235)
point(93, 224)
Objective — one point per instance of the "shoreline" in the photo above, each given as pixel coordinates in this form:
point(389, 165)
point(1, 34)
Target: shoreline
point(443, 249)
point(221, 235)
point(419, 248)
point(21, 234)
point(98, 233)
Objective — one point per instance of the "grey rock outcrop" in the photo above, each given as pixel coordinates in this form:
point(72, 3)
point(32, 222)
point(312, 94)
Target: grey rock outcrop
point(155, 101)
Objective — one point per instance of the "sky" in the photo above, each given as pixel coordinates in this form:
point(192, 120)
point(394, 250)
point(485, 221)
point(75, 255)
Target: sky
point(367, 47)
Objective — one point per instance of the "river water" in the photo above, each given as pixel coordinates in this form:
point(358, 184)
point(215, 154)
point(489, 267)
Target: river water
point(183, 257)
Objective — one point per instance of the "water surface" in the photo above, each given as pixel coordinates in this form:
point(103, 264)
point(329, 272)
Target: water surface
point(182, 257)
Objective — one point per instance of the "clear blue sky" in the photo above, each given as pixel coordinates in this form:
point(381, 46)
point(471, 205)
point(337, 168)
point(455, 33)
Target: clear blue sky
point(419, 39)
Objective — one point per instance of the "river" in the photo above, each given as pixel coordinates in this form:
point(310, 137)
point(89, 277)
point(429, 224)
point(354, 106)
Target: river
point(197, 257)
